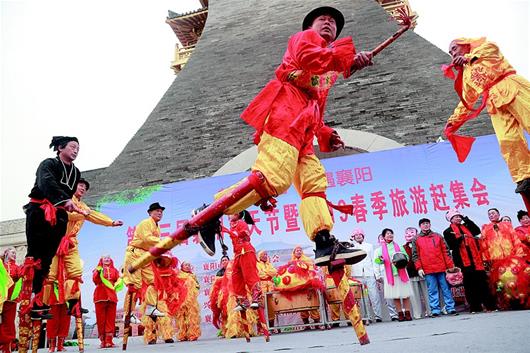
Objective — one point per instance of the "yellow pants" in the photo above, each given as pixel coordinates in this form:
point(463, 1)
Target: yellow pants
point(189, 321)
point(313, 314)
point(73, 272)
point(335, 311)
point(282, 166)
point(509, 122)
point(144, 275)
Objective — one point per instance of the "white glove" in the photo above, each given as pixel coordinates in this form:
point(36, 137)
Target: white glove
point(421, 273)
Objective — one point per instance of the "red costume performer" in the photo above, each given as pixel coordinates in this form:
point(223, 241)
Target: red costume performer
point(219, 299)
point(505, 255)
point(245, 271)
point(287, 114)
point(9, 309)
point(106, 278)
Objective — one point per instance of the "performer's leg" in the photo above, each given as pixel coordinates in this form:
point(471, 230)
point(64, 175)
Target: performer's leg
point(110, 323)
point(101, 320)
point(335, 312)
point(513, 144)
point(7, 326)
point(251, 278)
point(194, 315)
point(52, 325)
point(277, 161)
point(311, 183)
point(74, 273)
point(43, 240)
point(238, 284)
point(64, 323)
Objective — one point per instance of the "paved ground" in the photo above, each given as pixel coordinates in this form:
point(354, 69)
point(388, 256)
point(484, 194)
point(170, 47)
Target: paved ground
point(500, 332)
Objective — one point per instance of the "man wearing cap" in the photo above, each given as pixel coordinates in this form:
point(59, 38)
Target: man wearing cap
point(146, 235)
point(460, 236)
point(363, 271)
point(431, 256)
point(287, 114)
point(46, 213)
point(483, 70)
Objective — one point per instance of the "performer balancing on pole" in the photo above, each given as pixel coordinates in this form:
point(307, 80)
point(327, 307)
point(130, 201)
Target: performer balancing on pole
point(46, 213)
point(287, 114)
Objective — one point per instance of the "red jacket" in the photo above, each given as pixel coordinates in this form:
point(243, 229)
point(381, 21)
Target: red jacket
point(240, 235)
point(430, 253)
point(15, 271)
point(102, 292)
point(291, 106)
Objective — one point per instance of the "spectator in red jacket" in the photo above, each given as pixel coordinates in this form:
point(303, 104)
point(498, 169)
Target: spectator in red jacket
point(105, 277)
point(431, 257)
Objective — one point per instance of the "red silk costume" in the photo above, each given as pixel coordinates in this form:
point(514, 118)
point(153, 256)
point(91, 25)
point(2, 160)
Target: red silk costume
point(9, 310)
point(245, 271)
point(105, 301)
point(509, 273)
point(287, 114)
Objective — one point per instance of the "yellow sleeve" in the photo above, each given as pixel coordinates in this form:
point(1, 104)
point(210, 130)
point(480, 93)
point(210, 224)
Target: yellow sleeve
point(460, 112)
point(99, 218)
point(75, 217)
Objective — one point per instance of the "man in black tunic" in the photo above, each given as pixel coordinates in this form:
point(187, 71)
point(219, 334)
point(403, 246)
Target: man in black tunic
point(50, 199)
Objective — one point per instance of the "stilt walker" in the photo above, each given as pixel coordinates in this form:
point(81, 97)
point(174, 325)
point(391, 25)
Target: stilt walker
point(287, 114)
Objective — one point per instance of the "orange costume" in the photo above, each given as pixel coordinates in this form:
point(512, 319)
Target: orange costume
point(107, 279)
point(9, 309)
point(509, 272)
point(506, 96)
point(189, 315)
point(146, 234)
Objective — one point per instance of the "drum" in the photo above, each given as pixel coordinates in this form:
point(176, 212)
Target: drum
point(357, 290)
point(295, 301)
point(333, 295)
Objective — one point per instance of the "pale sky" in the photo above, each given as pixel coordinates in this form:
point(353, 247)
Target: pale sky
point(96, 69)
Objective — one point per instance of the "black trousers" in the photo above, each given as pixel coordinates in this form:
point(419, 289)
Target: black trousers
point(43, 240)
point(477, 290)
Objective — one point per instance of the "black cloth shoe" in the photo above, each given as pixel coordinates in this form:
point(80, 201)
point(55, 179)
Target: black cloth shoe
point(40, 313)
point(169, 340)
point(207, 232)
point(328, 249)
point(523, 186)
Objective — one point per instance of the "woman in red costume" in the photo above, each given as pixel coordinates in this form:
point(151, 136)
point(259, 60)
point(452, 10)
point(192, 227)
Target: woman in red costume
point(106, 278)
point(9, 309)
point(245, 270)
